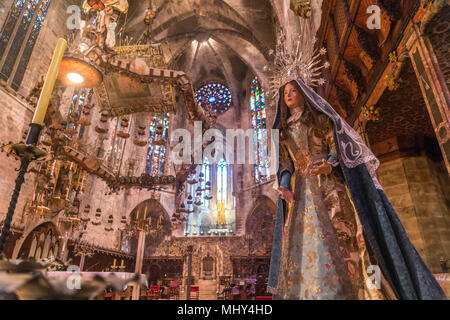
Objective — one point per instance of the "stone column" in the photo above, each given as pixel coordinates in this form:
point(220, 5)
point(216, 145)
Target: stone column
point(190, 250)
point(419, 190)
point(64, 250)
point(82, 261)
point(414, 188)
point(17, 246)
point(433, 86)
point(139, 262)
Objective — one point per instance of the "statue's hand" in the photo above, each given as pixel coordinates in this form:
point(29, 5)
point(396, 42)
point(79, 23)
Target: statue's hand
point(324, 168)
point(286, 194)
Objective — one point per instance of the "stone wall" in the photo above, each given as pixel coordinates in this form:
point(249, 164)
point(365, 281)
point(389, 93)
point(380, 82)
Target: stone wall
point(419, 191)
point(15, 116)
point(16, 113)
point(123, 203)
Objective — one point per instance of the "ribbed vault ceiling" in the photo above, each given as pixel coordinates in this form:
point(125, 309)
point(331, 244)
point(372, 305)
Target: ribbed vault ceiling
point(211, 40)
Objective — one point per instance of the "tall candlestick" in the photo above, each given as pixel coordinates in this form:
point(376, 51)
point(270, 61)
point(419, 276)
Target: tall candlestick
point(49, 84)
point(32, 152)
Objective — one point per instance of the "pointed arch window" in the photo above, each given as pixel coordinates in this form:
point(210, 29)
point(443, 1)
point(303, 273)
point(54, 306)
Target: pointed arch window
point(211, 202)
point(157, 145)
point(18, 38)
point(41, 243)
point(80, 97)
point(259, 125)
point(201, 199)
point(222, 192)
point(206, 182)
point(117, 147)
point(222, 177)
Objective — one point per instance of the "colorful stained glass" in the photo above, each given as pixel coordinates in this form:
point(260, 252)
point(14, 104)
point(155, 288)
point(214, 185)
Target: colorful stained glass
point(222, 179)
point(200, 220)
point(205, 182)
point(8, 28)
point(19, 36)
point(222, 192)
point(201, 194)
point(198, 191)
point(157, 145)
point(29, 46)
point(79, 99)
point(216, 95)
point(259, 124)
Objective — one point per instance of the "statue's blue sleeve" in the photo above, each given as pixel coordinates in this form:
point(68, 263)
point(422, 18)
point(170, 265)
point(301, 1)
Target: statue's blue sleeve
point(286, 180)
point(286, 169)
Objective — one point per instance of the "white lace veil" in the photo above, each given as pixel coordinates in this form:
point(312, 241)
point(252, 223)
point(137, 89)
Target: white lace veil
point(352, 149)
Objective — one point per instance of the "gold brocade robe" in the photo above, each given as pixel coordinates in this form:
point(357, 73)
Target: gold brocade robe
point(324, 253)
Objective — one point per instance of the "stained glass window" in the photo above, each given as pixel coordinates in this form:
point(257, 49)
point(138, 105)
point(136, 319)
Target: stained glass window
point(210, 201)
point(258, 111)
point(8, 28)
point(29, 46)
point(157, 145)
point(201, 191)
point(222, 192)
point(205, 182)
point(116, 148)
point(79, 99)
point(222, 175)
point(18, 38)
point(199, 204)
point(216, 95)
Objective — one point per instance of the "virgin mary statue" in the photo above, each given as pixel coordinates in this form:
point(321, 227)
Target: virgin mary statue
point(336, 234)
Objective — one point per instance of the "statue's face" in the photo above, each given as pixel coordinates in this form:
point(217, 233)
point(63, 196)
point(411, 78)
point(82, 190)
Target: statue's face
point(292, 96)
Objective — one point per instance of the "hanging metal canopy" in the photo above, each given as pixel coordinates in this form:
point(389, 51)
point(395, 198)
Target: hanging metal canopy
point(120, 94)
